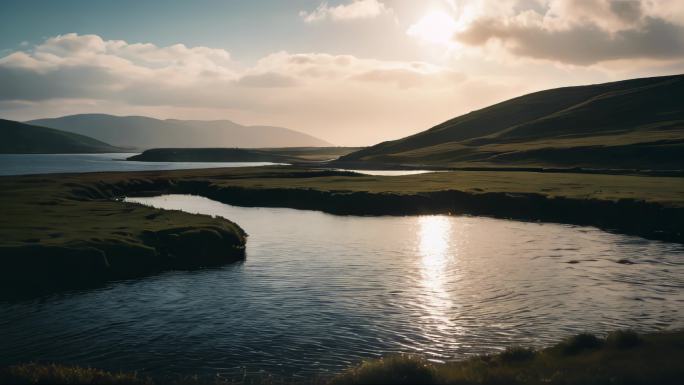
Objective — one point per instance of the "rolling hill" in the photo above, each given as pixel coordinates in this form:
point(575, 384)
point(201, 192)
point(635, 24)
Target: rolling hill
point(631, 124)
point(143, 132)
point(20, 138)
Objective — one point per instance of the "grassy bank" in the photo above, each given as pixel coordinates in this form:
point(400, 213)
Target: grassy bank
point(622, 357)
point(71, 230)
point(647, 206)
point(52, 236)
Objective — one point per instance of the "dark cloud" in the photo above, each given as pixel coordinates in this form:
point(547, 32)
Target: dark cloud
point(582, 44)
point(626, 10)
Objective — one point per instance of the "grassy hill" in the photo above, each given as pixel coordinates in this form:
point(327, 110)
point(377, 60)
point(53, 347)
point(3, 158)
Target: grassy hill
point(144, 133)
point(20, 138)
point(631, 124)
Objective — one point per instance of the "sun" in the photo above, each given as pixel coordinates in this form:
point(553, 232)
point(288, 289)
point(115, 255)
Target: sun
point(435, 27)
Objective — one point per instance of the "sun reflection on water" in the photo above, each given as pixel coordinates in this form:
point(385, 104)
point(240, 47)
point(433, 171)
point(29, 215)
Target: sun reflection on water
point(434, 236)
point(436, 249)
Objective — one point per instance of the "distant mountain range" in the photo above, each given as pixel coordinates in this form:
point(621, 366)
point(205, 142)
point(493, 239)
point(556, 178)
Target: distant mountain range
point(142, 132)
point(20, 138)
point(631, 124)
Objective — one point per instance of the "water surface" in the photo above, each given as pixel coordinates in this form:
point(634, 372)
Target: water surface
point(24, 164)
point(389, 172)
point(318, 292)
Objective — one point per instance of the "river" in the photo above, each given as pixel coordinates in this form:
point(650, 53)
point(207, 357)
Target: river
point(319, 292)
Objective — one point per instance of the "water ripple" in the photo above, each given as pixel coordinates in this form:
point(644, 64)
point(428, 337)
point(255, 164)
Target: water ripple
point(319, 292)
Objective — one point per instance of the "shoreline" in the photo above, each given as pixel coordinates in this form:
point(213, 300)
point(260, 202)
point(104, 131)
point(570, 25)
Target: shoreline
point(360, 166)
point(608, 216)
point(333, 158)
point(72, 230)
point(627, 216)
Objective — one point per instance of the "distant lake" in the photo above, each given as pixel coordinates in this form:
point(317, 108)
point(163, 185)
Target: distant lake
point(389, 172)
point(23, 164)
point(319, 292)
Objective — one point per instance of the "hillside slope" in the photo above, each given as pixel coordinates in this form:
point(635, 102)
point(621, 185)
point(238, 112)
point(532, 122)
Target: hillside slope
point(634, 124)
point(143, 132)
point(20, 138)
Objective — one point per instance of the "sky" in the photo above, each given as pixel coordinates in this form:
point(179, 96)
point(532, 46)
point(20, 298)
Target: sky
point(352, 72)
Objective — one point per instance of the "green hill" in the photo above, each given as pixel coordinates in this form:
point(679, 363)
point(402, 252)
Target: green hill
point(20, 138)
point(631, 124)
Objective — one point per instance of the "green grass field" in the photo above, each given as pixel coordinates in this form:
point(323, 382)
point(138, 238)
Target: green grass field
point(668, 191)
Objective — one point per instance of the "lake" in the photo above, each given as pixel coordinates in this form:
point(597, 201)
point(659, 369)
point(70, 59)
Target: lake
point(26, 164)
point(319, 292)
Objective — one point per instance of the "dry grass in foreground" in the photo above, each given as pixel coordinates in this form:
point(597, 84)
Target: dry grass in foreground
point(623, 357)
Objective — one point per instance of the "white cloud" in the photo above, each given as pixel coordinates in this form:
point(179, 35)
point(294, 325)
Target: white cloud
point(345, 99)
point(357, 9)
point(300, 90)
point(335, 69)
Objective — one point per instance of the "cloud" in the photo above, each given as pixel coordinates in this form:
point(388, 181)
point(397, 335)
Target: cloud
point(583, 44)
point(267, 80)
point(582, 32)
point(357, 9)
point(404, 78)
point(340, 69)
point(84, 73)
point(86, 66)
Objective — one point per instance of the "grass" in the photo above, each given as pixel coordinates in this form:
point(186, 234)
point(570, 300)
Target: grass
point(60, 374)
point(397, 369)
point(664, 190)
point(52, 235)
point(583, 359)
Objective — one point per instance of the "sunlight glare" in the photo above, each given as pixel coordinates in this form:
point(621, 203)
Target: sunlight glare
point(434, 240)
point(435, 27)
point(433, 247)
